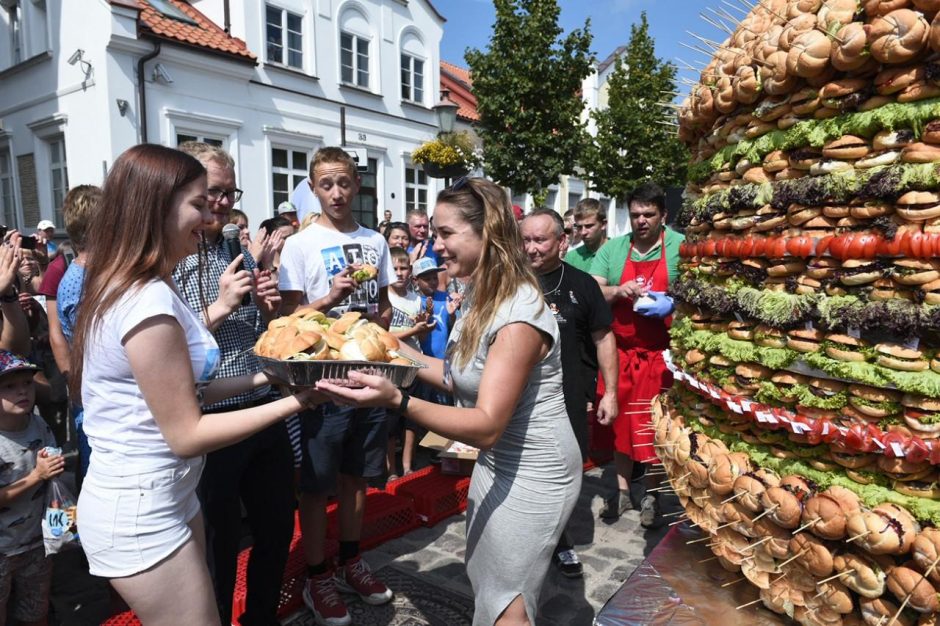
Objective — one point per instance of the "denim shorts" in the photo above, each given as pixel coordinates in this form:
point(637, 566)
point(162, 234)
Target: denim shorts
point(341, 440)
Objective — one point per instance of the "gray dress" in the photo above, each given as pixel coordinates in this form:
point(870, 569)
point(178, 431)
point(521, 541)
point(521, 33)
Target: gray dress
point(523, 488)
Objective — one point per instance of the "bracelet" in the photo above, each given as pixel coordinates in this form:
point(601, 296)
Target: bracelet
point(403, 405)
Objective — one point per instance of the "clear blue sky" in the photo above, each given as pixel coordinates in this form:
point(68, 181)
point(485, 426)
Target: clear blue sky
point(469, 25)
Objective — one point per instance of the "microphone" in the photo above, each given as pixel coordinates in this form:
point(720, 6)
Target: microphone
point(230, 234)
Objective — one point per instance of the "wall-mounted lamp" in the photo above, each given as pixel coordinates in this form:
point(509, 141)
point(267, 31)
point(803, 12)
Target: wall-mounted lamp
point(160, 74)
point(79, 57)
point(123, 106)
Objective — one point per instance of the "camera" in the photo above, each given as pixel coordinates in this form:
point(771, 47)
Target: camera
point(28, 243)
point(3, 231)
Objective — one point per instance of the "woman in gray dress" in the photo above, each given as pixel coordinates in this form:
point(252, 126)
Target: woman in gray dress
point(504, 370)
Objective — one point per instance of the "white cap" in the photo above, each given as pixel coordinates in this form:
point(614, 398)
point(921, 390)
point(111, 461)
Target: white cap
point(286, 207)
point(43, 225)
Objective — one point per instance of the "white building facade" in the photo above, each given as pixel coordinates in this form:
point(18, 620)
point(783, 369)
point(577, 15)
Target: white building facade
point(83, 80)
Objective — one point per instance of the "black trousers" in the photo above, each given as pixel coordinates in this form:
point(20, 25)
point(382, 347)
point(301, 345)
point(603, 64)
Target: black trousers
point(259, 473)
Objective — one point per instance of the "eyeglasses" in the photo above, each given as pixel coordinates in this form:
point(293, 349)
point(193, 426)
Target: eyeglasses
point(460, 183)
point(233, 195)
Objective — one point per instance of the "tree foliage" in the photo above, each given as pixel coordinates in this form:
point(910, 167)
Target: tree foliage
point(632, 145)
point(528, 88)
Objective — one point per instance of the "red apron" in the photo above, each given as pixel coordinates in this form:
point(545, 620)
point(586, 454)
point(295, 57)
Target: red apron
point(643, 373)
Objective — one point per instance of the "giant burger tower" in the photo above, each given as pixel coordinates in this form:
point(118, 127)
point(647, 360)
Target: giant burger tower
point(803, 432)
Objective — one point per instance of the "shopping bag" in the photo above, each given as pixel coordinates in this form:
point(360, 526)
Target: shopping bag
point(59, 528)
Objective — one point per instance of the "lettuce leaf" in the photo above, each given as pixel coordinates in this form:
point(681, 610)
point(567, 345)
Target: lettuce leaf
point(923, 383)
point(808, 398)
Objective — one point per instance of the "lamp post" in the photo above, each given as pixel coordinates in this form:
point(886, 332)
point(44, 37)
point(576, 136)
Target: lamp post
point(446, 112)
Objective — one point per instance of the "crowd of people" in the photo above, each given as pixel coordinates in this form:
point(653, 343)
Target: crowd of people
point(538, 336)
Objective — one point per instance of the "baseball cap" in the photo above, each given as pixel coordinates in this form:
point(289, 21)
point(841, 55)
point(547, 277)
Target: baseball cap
point(425, 265)
point(10, 362)
point(518, 212)
point(286, 207)
point(43, 225)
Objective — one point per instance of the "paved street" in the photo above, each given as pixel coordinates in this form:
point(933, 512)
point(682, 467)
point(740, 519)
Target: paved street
point(431, 560)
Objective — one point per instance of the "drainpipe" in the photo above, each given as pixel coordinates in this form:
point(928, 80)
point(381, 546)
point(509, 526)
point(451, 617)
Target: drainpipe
point(141, 93)
point(227, 17)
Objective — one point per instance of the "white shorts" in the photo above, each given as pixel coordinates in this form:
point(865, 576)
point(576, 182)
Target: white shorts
point(128, 524)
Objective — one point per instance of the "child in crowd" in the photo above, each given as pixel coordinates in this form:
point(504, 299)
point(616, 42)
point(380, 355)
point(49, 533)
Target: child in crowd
point(410, 323)
point(25, 572)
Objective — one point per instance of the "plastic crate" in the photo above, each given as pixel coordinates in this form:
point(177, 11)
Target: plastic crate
point(436, 496)
point(386, 517)
point(395, 485)
point(292, 584)
point(127, 618)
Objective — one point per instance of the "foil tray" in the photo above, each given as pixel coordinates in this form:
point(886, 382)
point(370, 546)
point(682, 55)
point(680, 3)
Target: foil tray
point(308, 373)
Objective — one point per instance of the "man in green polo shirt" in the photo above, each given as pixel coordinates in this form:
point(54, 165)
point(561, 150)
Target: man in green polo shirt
point(590, 220)
point(634, 272)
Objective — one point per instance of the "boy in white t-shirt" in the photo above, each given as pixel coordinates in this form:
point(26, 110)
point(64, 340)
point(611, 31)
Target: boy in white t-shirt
point(342, 446)
point(410, 324)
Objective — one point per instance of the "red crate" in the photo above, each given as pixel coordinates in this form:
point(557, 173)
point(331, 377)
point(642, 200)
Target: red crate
point(436, 496)
point(394, 486)
point(386, 517)
point(127, 618)
point(295, 574)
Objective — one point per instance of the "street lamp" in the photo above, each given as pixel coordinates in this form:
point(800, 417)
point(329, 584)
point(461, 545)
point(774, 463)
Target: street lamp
point(446, 111)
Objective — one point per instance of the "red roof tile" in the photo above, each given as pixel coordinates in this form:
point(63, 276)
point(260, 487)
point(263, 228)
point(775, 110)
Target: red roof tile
point(204, 34)
point(457, 80)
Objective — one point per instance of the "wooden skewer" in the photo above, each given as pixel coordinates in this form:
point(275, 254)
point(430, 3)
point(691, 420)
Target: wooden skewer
point(673, 514)
point(768, 511)
point(734, 582)
point(794, 557)
point(805, 526)
point(713, 558)
point(839, 575)
point(734, 497)
point(754, 545)
point(684, 519)
point(738, 608)
point(699, 540)
point(781, 577)
point(684, 476)
point(772, 12)
point(669, 488)
point(864, 534)
point(739, 9)
point(696, 49)
point(704, 40)
point(717, 24)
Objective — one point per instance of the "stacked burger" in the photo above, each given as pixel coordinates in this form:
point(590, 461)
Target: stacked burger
point(804, 429)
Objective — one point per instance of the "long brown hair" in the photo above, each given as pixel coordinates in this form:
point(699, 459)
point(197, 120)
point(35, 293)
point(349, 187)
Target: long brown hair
point(125, 239)
point(503, 267)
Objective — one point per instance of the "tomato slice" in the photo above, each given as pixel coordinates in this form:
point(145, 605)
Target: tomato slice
point(708, 247)
point(890, 247)
point(920, 245)
point(855, 246)
point(858, 439)
point(838, 245)
point(801, 246)
point(776, 248)
point(867, 243)
point(890, 438)
point(822, 245)
point(917, 451)
point(760, 246)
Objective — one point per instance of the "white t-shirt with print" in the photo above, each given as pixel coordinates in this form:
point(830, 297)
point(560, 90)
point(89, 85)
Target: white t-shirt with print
point(123, 434)
point(404, 311)
point(313, 256)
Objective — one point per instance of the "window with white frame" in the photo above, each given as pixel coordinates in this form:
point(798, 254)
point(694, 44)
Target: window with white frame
point(284, 37)
point(7, 195)
point(209, 139)
point(288, 169)
point(58, 176)
point(412, 78)
point(354, 60)
point(416, 188)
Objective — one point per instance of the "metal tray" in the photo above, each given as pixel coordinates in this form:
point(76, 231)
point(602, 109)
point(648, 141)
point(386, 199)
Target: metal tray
point(307, 373)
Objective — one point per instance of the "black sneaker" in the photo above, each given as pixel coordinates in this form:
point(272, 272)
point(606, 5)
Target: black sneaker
point(569, 565)
point(649, 511)
point(615, 505)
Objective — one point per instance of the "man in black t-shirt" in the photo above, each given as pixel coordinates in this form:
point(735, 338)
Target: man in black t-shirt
point(584, 320)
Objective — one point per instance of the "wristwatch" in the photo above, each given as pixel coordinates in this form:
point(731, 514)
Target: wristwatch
point(403, 405)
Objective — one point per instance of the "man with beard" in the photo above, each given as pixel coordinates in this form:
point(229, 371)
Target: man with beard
point(634, 272)
point(259, 470)
point(584, 321)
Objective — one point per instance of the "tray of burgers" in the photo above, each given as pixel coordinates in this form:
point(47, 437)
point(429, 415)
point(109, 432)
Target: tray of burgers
point(307, 346)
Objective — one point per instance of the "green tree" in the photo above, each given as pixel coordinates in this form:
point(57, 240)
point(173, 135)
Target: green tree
point(632, 144)
point(528, 84)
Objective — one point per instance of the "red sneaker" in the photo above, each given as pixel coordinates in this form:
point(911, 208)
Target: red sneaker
point(321, 597)
point(355, 577)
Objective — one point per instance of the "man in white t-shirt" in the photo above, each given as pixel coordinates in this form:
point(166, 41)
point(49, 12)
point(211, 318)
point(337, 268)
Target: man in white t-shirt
point(303, 198)
point(342, 446)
